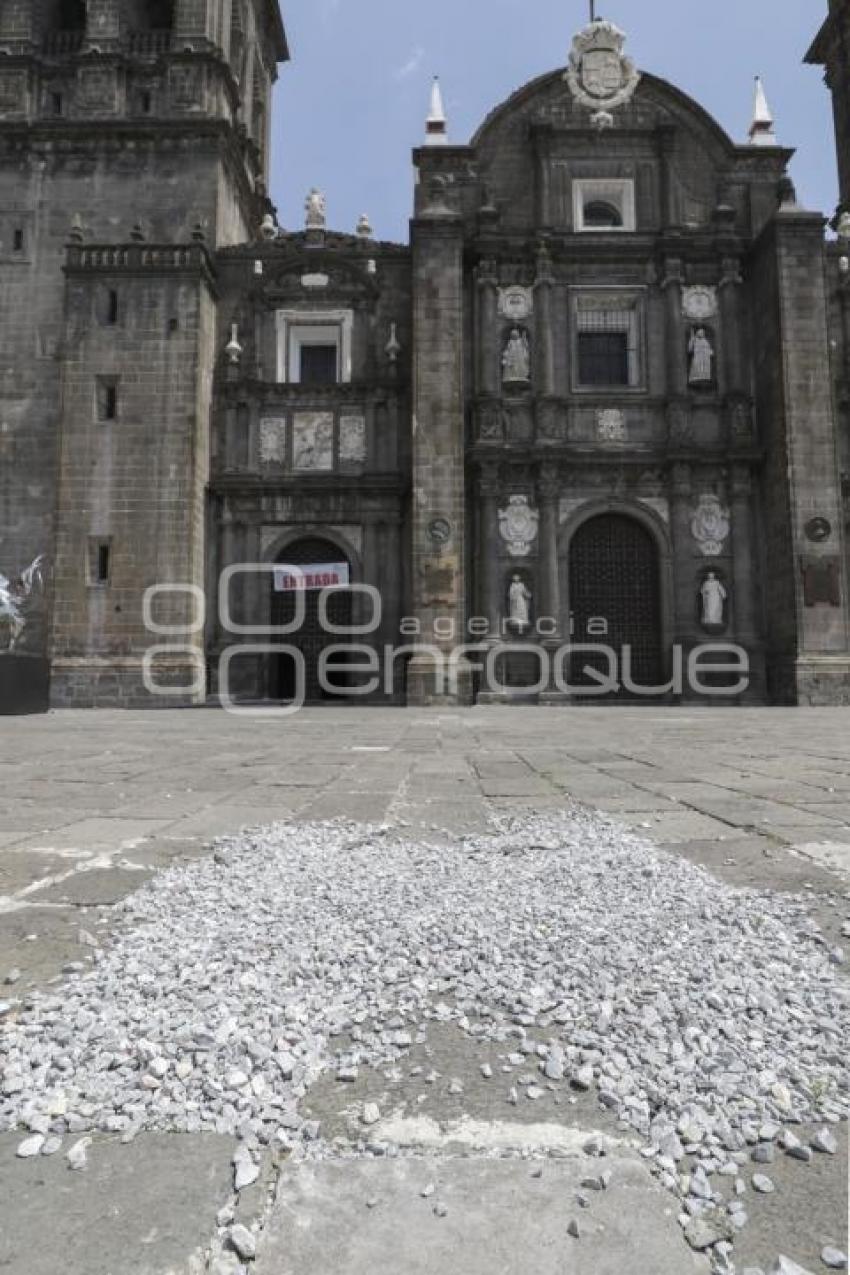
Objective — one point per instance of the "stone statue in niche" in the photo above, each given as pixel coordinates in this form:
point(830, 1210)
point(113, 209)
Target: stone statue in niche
point(519, 598)
point(516, 358)
point(713, 594)
point(701, 352)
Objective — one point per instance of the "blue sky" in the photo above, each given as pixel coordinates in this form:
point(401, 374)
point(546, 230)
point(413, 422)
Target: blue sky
point(352, 103)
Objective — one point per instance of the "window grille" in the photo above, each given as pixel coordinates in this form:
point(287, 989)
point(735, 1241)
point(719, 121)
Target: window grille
point(607, 346)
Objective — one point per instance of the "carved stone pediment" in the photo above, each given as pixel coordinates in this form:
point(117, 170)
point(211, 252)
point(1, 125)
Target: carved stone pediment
point(311, 274)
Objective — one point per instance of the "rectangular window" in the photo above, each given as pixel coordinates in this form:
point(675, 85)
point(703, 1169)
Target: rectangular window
point(106, 399)
point(99, 560)
point(607, 345)
point(603, 205)
point(102, 563)
point(603, 358)
point(319, 364)
point(18, 240)
point(56, 103)
point(314, 346)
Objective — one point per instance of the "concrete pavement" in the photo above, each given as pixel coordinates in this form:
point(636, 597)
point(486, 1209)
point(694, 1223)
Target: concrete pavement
point(93, 804)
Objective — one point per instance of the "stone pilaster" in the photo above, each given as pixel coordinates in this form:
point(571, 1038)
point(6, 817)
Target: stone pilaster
point(678, 402)
point(745, 597)
point(490, 593)
point(807, 622)
point(487, 329)
point(666, 140)
point(684, 574)
point(544, 284)
point(732, 379)
point(439, 513)
point(548, 493)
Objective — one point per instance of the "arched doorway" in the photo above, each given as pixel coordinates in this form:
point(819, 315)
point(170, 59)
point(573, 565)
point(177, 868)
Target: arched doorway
point(615, 596)
point(311, 638)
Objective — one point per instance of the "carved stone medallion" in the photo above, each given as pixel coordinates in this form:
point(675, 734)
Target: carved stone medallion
point(352, 440)
point(439, 531)
point(97, 89)
point(611, 425)
point(273, 440)
point(312, 440)
point(518, 526)
point(818, 530)
point(710, 526)
point(516, 302)
point(699, 302)
point(599, 75)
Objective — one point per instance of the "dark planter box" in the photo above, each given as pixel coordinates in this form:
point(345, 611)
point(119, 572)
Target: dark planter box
point(24, 684)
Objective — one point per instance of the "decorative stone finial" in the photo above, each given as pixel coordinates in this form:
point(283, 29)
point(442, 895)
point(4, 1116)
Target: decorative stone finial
point(316, 207)
point(392, 349)
point(233, 349)
point(76, 232)
point(137, 234)
point(198, 233)
point(436, 130)
point(268, 229)
point(762, 131)
point(364, 227)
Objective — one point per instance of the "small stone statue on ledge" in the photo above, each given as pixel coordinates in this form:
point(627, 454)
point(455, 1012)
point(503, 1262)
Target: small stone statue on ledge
point(702, 358)
point(714, 595)
point(516, 359)
point(520, 599)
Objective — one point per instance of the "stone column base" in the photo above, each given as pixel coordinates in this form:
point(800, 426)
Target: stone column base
point(428, 686)
point(822, 680)
point(555, 699)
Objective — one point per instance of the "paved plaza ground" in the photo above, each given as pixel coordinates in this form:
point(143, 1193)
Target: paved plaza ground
point(93, 804)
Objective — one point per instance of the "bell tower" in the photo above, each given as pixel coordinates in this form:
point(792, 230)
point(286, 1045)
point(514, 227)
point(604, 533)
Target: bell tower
point(831, 50)
point(122, 123)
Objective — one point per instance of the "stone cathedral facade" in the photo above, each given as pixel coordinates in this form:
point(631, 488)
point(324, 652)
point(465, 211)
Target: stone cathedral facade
point(599, 397)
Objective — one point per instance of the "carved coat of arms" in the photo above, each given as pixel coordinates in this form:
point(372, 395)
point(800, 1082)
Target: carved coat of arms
point(600, 76)
point(710, 526)
point(518, 526)
point(611, 425)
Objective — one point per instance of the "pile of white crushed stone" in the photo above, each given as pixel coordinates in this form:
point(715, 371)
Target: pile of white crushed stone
point(710, 1019)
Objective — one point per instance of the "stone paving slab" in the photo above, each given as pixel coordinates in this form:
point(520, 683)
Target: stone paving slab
point(142, 1209)
point(322, 1224)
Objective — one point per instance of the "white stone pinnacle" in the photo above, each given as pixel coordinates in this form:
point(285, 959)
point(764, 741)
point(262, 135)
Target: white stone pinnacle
point(436, 133)
point(762, 132)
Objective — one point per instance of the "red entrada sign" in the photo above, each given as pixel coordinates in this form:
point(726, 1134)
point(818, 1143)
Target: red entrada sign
point(314, 575)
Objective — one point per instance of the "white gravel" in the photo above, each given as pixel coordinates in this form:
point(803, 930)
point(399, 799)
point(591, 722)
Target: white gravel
point(707, 1018)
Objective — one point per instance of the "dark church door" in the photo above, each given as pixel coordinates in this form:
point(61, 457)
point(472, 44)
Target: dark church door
point(311, 638)
point(615, 578)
